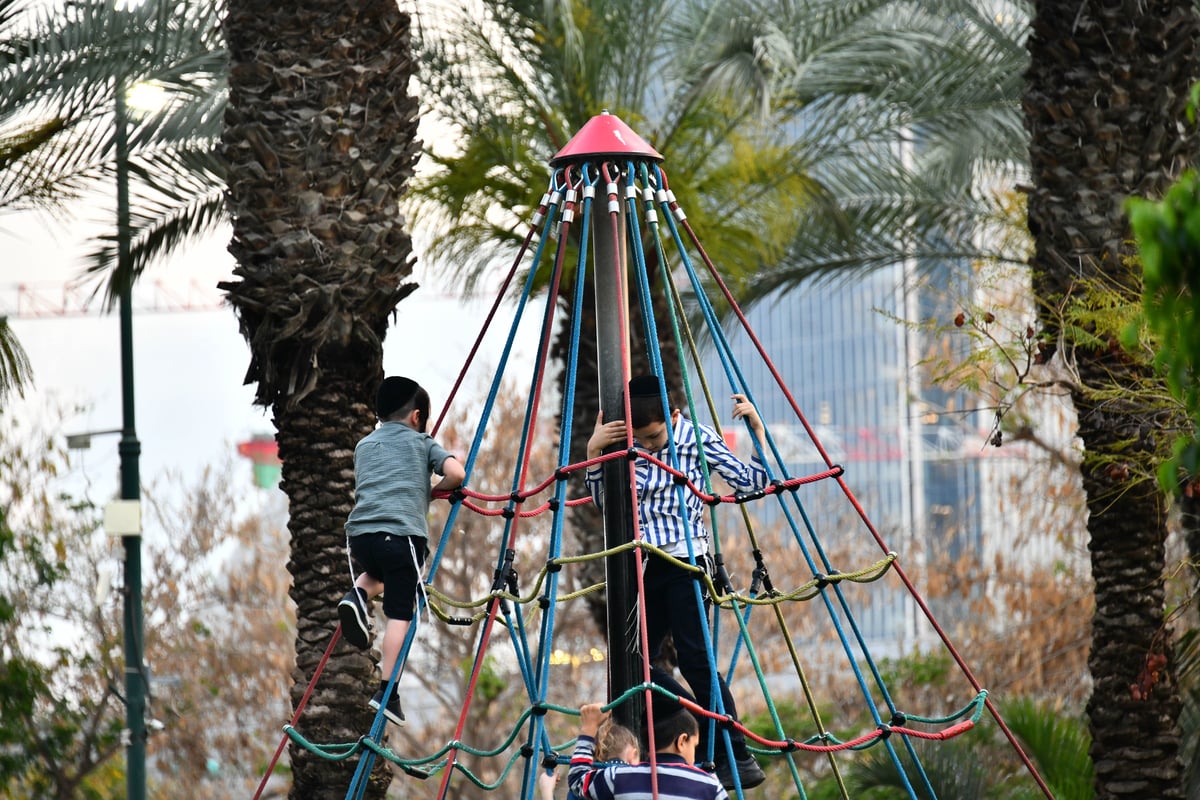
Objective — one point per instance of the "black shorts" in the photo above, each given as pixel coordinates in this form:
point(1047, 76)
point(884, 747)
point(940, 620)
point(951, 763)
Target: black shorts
point(396, 561)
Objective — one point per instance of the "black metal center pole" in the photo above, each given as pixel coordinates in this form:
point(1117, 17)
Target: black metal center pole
point(130, 449)
point(612, 337)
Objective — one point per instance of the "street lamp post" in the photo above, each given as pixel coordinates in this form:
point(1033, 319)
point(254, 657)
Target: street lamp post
point(130, 449)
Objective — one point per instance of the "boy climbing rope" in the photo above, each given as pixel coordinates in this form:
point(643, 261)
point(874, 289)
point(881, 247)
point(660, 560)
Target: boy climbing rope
point(676, 735)
point(666, 525)
point(387, 530)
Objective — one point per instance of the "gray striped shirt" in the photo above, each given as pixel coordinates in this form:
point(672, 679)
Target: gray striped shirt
point(393, 467)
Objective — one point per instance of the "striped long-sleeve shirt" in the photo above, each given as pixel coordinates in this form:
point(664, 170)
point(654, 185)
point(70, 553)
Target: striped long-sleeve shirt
point(677, 780)
point(663, 522)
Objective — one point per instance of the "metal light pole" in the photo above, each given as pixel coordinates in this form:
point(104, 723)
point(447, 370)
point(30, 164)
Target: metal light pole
point(128, 515)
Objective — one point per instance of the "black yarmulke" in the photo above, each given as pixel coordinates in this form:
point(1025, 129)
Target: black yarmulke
point(394, 393)
point(645, 386)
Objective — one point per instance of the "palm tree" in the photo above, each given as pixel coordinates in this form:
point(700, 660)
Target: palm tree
point(697, 80)
point(912, 131)
point(1105, 90)
point(319, 145)
point(60, 71)
point(785, 129)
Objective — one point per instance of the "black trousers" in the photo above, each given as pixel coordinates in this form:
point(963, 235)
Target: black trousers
point(672, 607)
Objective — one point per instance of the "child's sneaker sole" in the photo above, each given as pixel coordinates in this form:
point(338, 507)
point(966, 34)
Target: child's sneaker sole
point(353, 617)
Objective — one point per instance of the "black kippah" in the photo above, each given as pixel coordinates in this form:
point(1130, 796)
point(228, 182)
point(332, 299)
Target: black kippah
point(645, 386)
point(394, 394)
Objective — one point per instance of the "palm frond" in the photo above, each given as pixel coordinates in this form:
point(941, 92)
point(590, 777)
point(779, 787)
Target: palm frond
point(167, 228)
point(1058, 743)
point(60, 70)
point(946, 767)
point(15, 370)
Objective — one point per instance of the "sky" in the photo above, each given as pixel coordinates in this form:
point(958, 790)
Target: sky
point(191, 408)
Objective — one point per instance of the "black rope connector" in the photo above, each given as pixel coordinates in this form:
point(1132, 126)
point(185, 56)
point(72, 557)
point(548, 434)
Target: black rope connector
point(539, 710)
point(459, 621)
point(632, 454)
point(789, 746)
point(713, 500)
point(899, 719)
point(777, 485)
point(679, 479)
point(549, 762)
point(885, 730)
point(457, 496)
point(552, 504)
point(725, 723)
point(553, 566)
point(515, 496)
point(501, 575)
point(561, 474)
point(526, 751)
point(746, 497)
point(838, 470)
point(508, 513)
point(416, 772)
point(821, 580)
point(721, 579)
point(761, 577)
point(543, 602)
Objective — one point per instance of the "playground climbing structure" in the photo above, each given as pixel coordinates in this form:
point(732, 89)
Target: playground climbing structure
point(606, 215)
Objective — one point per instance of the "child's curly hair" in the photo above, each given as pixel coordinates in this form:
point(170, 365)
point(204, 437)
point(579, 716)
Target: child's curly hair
point(612, 740)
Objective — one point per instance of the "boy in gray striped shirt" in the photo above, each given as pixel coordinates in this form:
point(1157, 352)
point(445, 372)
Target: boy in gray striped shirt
point(387, 529)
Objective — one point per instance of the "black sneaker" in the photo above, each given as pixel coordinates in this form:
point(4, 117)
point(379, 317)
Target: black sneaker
point(749, 773)
point(392, 710)
point(356, 624)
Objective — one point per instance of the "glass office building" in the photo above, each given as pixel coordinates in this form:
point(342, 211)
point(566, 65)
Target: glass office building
point(911, 451)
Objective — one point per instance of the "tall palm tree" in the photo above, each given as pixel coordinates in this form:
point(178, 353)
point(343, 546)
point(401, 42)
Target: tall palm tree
point(1106, 87)
point(61, 68)
point(319, 144)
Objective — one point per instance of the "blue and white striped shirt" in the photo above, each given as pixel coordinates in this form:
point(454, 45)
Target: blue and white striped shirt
point(662, 521)
point(677, 780)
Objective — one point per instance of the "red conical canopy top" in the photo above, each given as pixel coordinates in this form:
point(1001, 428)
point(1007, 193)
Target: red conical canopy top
point(604, 136)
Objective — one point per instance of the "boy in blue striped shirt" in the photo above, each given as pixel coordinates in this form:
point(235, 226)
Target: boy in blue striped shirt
point(676, 735)
point(667, 525)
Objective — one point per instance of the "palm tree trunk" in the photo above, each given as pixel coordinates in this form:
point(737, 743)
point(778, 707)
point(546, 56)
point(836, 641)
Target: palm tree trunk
point(319, 143)
point(1105, 94)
